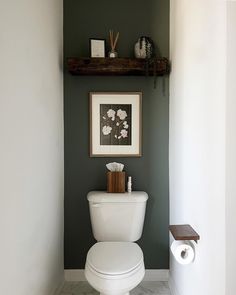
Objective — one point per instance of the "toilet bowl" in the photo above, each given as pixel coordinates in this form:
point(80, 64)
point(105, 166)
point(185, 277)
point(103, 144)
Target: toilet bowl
point(114, 267)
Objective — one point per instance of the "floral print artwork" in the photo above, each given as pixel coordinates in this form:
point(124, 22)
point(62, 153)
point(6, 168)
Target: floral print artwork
point(115, 124)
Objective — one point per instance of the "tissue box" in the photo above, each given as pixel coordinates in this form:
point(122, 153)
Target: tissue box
point(115, 182)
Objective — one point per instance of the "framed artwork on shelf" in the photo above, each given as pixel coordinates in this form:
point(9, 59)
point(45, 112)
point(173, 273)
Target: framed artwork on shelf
point(97, 47)
point(115, 124)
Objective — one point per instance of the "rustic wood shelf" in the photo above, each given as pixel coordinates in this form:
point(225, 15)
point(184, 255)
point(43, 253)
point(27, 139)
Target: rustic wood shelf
point(115, 66)
point(183, 232)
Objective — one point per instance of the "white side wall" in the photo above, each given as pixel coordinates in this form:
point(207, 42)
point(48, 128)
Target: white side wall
point(31, 147)
point(197, 140)
point(231, 151)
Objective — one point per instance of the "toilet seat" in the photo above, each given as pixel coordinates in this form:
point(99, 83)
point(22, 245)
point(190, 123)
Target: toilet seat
point(114, 267)
point(114, 259)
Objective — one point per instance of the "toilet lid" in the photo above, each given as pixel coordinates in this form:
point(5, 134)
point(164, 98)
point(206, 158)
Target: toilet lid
point(114, 258)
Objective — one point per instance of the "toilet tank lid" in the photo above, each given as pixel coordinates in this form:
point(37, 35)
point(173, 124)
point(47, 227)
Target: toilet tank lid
point(104, 197)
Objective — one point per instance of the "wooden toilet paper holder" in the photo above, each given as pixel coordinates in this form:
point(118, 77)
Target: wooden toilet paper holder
point(184, 232)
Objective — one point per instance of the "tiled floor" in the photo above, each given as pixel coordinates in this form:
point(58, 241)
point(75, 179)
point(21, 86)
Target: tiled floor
point(145, 288)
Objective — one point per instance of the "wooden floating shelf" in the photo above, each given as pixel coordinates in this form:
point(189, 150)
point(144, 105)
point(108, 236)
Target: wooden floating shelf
point(115, 66)
point(183, 232)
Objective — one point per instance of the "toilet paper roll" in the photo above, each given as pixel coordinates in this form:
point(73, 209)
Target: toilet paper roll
point(183, 251)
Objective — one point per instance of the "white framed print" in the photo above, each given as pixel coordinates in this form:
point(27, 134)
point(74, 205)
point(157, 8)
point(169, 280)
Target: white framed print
point(115, 124)
point(97, 47)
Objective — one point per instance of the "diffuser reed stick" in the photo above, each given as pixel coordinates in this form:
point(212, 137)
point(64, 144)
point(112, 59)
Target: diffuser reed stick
point(114, 44)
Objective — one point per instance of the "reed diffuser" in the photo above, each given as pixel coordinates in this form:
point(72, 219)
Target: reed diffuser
point(113, 42)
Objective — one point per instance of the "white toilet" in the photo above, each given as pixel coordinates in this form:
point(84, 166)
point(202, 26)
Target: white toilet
point(115, 265)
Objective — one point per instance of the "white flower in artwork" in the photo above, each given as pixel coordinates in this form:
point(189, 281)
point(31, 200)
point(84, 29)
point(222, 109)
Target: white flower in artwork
point(124, 133)
point(104, 117)
point(121, 114)
point(111, 114)
point(106, 130)
point(117, 124)
point(125, 125)
point(115, 136)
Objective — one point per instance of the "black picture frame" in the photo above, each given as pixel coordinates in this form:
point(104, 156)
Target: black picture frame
point(97, 47)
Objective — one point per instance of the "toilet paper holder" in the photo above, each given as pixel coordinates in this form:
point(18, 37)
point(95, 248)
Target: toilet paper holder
point(184, 232)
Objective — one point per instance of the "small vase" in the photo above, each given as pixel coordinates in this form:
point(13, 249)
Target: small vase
point(144, 48)
point(112, 54)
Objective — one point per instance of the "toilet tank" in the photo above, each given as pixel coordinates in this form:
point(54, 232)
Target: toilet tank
point(117, 217)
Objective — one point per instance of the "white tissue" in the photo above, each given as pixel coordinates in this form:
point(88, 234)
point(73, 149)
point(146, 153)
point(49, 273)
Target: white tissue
point(183, 252)
point(115, 167)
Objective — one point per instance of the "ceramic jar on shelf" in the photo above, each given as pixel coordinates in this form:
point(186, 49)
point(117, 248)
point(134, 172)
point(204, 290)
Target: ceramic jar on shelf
point(144, 48)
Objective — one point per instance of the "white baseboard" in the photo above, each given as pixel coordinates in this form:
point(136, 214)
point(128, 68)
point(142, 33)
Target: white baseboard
point(74, 275)
point(172, 286)
point(156, 275)
point(161, 275)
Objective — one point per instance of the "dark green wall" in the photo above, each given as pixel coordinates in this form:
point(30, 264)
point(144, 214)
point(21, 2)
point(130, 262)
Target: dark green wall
point(133, 18)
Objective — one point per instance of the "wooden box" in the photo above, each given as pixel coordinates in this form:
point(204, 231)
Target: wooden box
point(115, 182)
